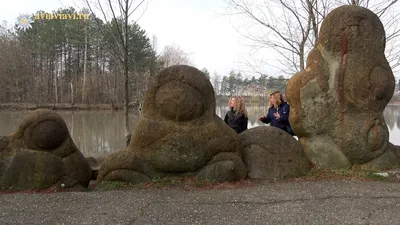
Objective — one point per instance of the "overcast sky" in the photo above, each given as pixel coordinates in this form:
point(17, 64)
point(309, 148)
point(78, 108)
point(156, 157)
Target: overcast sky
point(196, 26)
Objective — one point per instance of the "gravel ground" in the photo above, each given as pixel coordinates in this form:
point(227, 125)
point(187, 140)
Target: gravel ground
point(322, 202)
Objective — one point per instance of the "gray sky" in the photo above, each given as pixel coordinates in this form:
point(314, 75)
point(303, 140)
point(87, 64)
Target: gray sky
point(196, 26)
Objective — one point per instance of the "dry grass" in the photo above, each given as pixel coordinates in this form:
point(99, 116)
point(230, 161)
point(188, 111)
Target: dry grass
point(357, 172)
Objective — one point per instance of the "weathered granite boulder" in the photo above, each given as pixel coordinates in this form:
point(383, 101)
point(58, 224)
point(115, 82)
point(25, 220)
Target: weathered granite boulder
point(271, 153)
point(337, 103)
point(178, 135)
point(41, 154)
point(95, 164)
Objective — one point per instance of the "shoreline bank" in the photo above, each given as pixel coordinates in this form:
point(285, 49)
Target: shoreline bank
point(133, 106)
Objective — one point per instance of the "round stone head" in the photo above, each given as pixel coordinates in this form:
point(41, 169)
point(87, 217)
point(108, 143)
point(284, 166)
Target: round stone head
point(180, 93)
point(41, 154)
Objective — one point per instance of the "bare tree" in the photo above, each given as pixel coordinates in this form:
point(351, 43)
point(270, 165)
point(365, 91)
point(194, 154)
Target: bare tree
point(126, 8)
point(84, 88)
point(290, 27)
point(174, 55)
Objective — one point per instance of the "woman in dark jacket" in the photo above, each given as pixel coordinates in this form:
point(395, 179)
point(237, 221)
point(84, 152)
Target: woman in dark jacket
point(278, 113)
point(236, 117)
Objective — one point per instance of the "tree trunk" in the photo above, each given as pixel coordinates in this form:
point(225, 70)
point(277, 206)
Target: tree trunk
point(70, 78)
point(61, 75)
point(84, 68)
point(99, 96)
point(55, 83)
point(72, 93)
point(301, 57)
point(42, 79)
point(116, 82)
point(126, 94)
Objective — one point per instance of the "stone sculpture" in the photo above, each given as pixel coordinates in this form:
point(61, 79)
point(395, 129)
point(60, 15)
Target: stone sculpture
point(178, 135)
point(271, 153)
point(337, 103)
point(41, 155)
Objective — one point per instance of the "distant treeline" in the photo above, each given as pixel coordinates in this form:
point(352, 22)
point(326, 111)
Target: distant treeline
point(73, 61)
point(237, 84)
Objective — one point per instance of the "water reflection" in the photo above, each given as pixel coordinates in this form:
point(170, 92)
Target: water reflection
point(91, 131)
point(100, 132)
point(392, 116)
point(94, 132)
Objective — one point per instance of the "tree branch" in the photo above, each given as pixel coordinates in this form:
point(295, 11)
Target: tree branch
point(264, 24)
point(295, 14)
point(102, 31)
point(116, 24)
point(136, 7)
point(382, 11)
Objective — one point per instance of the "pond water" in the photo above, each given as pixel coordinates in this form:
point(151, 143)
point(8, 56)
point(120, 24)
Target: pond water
point(101, 132)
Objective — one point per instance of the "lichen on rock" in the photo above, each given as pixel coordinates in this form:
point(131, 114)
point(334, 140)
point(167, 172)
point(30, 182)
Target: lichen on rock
point(41, 155)
point(337, 102)
point(178, 135)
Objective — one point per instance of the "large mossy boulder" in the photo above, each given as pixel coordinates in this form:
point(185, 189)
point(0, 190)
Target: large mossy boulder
point(337, 102)
point(178, 135)
point(271, 153)
point(41, 155)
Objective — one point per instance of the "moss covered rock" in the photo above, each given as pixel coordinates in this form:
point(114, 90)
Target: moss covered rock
point(41, 154)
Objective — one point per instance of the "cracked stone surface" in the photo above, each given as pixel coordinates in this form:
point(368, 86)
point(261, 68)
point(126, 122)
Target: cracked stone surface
point(333, 202)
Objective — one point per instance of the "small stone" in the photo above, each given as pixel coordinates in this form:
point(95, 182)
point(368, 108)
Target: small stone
point(382, 174)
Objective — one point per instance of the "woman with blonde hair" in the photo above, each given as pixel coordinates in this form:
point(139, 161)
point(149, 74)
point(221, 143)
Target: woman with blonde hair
point(236, 117)
point(278, 113)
